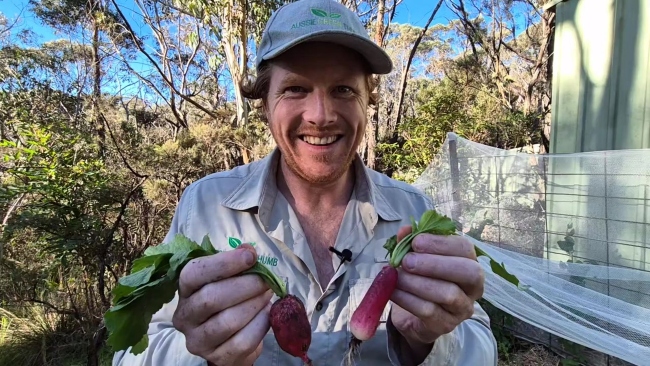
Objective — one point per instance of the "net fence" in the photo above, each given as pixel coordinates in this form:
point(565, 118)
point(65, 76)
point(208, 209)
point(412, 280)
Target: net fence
point(574, 228)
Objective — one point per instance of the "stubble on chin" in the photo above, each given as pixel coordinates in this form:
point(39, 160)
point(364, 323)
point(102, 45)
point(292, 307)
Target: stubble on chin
point(290, 161)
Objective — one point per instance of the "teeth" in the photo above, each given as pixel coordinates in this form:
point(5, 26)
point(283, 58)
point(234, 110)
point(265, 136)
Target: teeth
point(319, 140)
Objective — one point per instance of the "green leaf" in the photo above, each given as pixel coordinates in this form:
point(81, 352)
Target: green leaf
point(497, 268)
point(431, 222)
point(206, 244)
point(138, 278)
point(390, 244)
point(319, 13)
point(234, 242)
point(126, 285)
point(127, 325)
point(141, 346)
point(335, 15)
point(434, 223)
point(565, 245)
point(275, 283)
point(178, 243)
point(147, 261)
point(500, 269)
point(153, 282)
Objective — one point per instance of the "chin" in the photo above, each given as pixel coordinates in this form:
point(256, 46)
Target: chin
point(320, 172)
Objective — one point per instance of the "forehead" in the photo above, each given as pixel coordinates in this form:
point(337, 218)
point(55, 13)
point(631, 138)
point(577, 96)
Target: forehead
point(322, 61)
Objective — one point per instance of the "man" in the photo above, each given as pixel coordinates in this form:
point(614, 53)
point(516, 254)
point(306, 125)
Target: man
point(309, 195)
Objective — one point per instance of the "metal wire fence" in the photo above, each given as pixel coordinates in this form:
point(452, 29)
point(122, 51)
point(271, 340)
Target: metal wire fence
point(582, 208)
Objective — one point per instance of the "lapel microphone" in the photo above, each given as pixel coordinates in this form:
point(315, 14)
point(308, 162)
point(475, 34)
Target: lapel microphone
point(344, 256)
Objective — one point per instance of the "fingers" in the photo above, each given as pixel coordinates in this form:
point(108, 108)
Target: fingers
point(201, 271)
point(449, 245)
point(438, 319)
point(250, 360)
point(453, 245)
point(246, 342)
point(429, 291)
point(465, 273)
point(215, 297)
point(404, 231)
point(219, 328)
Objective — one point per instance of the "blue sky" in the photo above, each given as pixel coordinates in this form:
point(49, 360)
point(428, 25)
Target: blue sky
point(415, 12)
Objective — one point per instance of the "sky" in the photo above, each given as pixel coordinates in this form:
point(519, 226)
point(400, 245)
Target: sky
point(415, 12)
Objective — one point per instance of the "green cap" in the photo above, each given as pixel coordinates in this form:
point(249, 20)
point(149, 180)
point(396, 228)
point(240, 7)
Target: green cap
point(319, 20)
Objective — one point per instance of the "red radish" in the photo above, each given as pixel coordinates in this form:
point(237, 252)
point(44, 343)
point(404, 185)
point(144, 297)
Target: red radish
point(291, 327)
point(366, 317)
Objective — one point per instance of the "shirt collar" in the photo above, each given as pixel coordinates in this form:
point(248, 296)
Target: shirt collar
point(258, 190)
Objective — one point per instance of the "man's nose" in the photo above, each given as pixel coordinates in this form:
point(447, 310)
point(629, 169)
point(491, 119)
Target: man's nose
point(320, 108)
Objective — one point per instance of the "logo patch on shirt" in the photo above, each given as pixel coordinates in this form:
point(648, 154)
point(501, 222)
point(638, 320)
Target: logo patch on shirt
point(264, 259)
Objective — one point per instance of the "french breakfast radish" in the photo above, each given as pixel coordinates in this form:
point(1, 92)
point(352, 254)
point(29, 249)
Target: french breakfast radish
point(366, 317)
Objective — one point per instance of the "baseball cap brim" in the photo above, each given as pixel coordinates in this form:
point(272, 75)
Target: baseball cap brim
point(377, 58)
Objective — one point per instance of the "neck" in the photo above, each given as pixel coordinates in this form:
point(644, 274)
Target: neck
point(304, 194)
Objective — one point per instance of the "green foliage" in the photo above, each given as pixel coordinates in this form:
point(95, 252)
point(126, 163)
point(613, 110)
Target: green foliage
point(443, 107)
point(58, 169)
point(153, 282)
point(432, 222)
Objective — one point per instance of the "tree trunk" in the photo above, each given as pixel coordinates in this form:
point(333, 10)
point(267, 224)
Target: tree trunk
point(234, 34)
point(408, 66)
point(373, 124)
point(97, 77)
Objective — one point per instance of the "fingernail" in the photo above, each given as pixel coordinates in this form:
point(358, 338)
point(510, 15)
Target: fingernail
point(409, 261)
point(249, 258)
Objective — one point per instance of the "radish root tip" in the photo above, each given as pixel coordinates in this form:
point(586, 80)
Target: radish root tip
point(353, 351)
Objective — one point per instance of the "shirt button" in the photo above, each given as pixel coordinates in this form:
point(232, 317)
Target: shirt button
point(319, 306)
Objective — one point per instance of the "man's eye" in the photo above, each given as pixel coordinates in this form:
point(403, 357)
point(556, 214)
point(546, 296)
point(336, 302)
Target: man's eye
point(294, 89)
point(343, 89)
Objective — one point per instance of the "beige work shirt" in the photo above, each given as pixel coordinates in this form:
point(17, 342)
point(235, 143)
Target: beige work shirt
point(244, 205)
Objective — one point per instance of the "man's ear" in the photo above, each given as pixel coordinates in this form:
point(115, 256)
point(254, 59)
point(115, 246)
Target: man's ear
point(265, 111)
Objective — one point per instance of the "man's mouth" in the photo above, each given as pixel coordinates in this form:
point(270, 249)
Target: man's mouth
point(313, 140)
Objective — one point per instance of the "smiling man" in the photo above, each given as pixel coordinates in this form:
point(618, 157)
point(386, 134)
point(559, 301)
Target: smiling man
point(304, 206)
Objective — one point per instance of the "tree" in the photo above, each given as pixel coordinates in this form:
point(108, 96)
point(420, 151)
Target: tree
point(96, 17)
point(507, 47)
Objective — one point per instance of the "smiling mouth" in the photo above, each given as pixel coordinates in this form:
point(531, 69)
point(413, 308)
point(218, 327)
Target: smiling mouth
point(320, 141)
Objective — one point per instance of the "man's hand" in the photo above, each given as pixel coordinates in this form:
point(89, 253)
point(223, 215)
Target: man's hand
point(438, 284)
point(224, 317)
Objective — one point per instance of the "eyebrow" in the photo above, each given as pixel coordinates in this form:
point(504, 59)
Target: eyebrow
point(291, 79)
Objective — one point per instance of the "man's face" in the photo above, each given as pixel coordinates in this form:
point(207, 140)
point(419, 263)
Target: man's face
point(316, 108)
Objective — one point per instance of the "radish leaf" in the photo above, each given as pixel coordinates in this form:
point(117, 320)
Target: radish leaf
point(432, 222)
point(153, 282)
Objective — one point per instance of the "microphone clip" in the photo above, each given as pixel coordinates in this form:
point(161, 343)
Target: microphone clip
point(344, 256)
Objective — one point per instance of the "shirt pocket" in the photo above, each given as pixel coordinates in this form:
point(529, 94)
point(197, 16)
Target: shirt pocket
point(381, 255)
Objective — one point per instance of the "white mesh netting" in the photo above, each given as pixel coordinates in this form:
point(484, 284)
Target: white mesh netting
point(574, 228)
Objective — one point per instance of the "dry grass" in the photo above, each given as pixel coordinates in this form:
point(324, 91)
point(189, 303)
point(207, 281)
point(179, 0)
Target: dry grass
point(533, 356)
point(36, 337)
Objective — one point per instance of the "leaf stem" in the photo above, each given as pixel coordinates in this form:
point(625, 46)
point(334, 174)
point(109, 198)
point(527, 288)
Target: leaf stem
point(275, 283)
point(402, 248)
